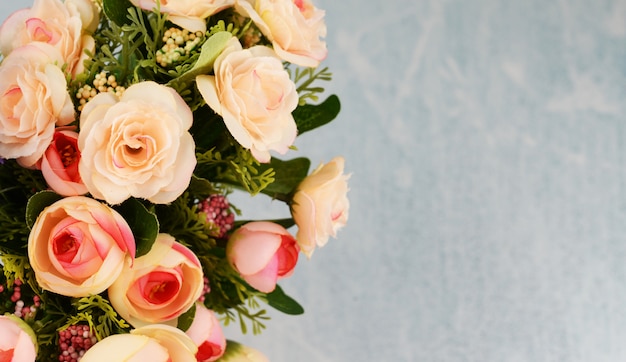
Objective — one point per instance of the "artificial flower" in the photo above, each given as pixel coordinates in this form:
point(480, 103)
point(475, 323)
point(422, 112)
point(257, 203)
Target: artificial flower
point(205, 331)
point(59, 164)
point(33, 100)
point(78, 246)
point(153, 343)
point(160, 286)
point(236, 352)
point(17, 340)
point(253, 93)
point(295, 28)
point(138, 145)
point(64, 25)
point(188, 14)
point(320, 205)
point(262, 252)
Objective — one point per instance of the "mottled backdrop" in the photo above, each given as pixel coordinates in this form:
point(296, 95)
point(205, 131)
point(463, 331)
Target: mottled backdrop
point(486, 142)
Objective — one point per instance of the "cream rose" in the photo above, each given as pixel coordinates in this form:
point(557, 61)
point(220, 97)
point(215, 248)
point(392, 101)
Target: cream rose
point(295, 28)
point(138, 145)
point(188, 14)
point(33, 100)
point(160, 286)
point(65, 26)
point(254, 95)
point(17, 340)
point(320, 205)
point(78, 246)
point(153, 343)
point(236, 352)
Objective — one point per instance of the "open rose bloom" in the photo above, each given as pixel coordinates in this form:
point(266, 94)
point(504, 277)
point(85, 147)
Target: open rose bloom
point(79, 246)
point(159, 286)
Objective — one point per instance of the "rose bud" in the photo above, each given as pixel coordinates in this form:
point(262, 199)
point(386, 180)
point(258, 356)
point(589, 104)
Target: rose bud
point(262, 252)
point(206, 333)
point(17, 340)
point(59, 164)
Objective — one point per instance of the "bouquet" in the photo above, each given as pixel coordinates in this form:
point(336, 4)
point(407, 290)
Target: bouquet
point(124, 127)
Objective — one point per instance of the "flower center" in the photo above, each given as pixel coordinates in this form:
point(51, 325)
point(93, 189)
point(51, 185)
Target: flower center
point(160, 287)
point(38, 31)
point(66, 246)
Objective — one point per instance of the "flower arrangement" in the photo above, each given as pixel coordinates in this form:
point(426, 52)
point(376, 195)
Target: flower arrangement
point(124, 127)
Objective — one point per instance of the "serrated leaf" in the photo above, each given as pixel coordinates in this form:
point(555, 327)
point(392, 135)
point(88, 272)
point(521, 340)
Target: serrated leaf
point(288, 175)
point(37, 203)
point(283, 303)
point(310, 116)
point(185, 319)
point(117, 10)
point(142, 222)
point(210, 50)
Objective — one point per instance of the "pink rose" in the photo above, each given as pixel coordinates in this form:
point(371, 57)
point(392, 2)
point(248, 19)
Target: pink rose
point(138, 145)
point(255, 96)
point(17, 340)
point(262, 252)
point(79, 246)
point(59, 164)
point(320, 205)
point(152, 343)
point(188, 14)
point(295, 28)
point(56, 23)
point(160, 286)
point(206, 333)
point(33, 99)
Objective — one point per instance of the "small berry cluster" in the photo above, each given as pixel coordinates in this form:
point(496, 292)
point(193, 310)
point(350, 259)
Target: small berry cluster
point(21, 309)
point(218, 213)
point(74, 341)
point(177, 44)
point(101, 83)
point(206, 289)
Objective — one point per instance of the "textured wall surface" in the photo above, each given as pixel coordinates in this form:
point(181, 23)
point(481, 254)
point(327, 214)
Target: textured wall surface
point(487, 145)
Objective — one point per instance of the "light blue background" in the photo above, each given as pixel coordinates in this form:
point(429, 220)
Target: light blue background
point(486, 142)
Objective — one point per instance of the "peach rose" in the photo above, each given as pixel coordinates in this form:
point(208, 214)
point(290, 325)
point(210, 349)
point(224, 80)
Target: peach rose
point(153, 343)
point(17, 340)
point(138, 145)
point(188, 14)
point(254, 95)
point(295, 28)
point(160, 286)
point(320, 205)
point(78, 246)
point(205, 331)
point(59, 164)
point(33, 99)
point(262, 252)
point(62, 25)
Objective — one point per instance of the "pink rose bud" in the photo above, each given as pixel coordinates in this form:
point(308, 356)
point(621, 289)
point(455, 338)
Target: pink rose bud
point(205, 331)
point(78, 246)
point(160, 286)
point(17, 340)
point(59, 164)
point(262, 252)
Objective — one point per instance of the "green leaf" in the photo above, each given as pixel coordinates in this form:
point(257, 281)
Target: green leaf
point(185, 319)
point(37, 203)
point(309, 116)
point(117, 10)
point(142, 222)
point(288, 176)
point(211, 49)
point(283, 303)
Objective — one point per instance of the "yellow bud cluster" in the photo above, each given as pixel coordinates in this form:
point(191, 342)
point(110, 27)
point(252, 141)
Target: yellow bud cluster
point(178, 42)
point(101, 83)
